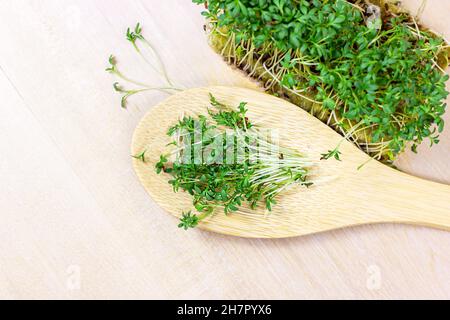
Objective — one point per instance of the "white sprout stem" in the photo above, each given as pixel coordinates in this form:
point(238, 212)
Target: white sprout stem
point(272, 174)
point(289, 89)
point(162, 67)
point(123, 77)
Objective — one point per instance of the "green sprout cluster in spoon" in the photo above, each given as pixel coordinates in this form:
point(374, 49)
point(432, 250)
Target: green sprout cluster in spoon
point(223, 161)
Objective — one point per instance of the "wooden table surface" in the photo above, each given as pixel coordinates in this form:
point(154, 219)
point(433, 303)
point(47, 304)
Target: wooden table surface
point(76, 223)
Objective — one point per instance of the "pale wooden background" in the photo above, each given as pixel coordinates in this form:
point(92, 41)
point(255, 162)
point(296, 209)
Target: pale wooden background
point(76, 223)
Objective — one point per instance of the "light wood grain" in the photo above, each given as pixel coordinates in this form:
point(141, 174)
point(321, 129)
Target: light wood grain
point(70, 203)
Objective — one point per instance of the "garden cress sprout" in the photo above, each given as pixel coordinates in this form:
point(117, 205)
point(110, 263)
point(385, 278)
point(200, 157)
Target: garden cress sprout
point(223, 161)
point(351, 63)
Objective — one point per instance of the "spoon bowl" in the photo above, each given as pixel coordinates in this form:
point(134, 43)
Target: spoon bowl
point(344, 196)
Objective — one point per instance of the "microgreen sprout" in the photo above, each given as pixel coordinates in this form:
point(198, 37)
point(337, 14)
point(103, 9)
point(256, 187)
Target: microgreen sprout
point(161, 165)
point(223, 161)
point(135, 37)
point(345, 61)
point(188, 221)
point(141, 156)
point(336, 154)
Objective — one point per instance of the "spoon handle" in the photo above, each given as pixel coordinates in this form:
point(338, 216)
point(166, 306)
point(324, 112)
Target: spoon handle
point(412, 200)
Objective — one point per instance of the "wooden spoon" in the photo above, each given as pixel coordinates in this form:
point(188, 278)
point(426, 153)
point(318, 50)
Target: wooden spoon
point(374, 194)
